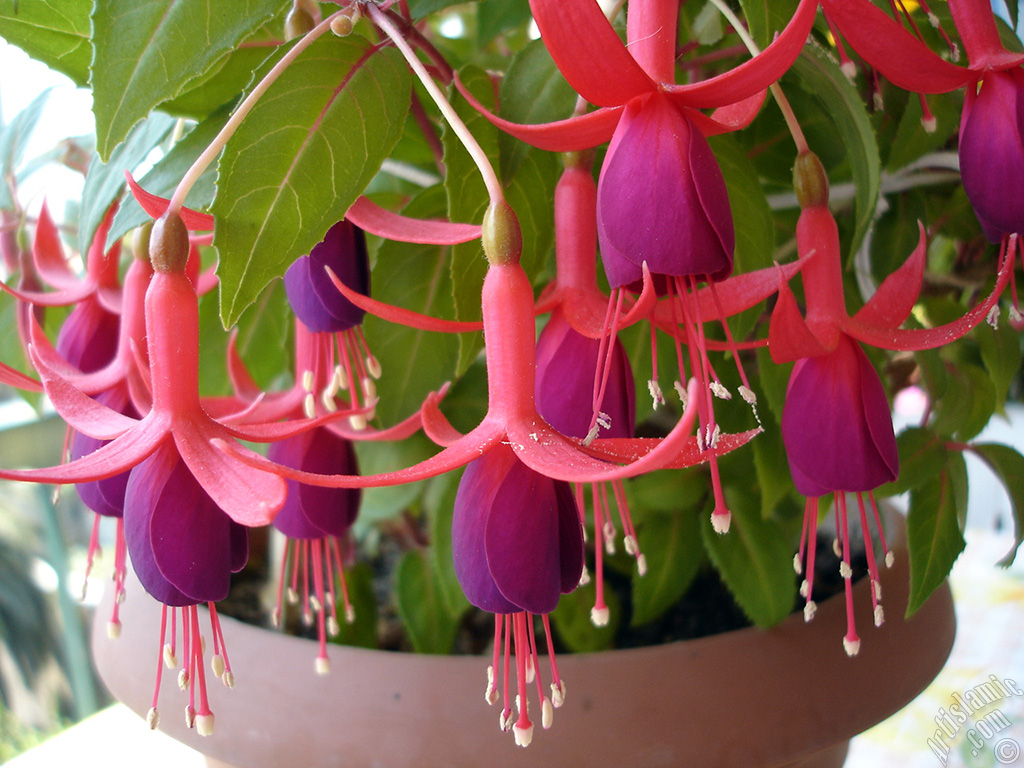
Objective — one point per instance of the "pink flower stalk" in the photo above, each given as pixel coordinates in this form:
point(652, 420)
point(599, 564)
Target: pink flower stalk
point(517, 544)
point(315, 520)
point(991, 126)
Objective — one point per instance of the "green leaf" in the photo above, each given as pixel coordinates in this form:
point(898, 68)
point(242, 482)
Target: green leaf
point(362, 632)
point(674, 551)
point(55, 32)
point(146, 50)
point(439, 502)
point(302, 156)
point(493, 18)
point(376, 457)
point(772, 467)
point(755, 561)
point(921, 451)
point(821, 77)
point(104, 181)
point(571, 620)
point(766, 17)
point(1001, 354)
point(163, 177)
point(969, 405)
point(934, 539)
point(1008, 465)
point(912, 141)
point(532, 91)
point(431, 627)
point(14, 138)
point(415, 277)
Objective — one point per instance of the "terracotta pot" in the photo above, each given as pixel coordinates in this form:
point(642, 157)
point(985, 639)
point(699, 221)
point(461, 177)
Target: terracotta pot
point(788, 696)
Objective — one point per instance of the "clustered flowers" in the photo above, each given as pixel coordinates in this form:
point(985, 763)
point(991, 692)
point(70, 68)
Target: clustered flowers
point(549, 461)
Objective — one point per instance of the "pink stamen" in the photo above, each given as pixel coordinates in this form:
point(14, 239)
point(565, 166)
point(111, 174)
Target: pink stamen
point(218, 634)
point(851, 642)
point(869, 551)
point(523, 728)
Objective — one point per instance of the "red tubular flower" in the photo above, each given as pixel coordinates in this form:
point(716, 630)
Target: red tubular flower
point(517, 545)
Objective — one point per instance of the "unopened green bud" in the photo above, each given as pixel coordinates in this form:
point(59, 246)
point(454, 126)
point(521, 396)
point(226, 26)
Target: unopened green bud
point(298, 22)
point(501, 237)
point(168, 244)
point(342, 25)
point(140, 241)
point(810, 181)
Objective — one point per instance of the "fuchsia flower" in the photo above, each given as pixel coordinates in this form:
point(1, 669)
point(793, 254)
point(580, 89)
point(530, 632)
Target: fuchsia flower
point(836, 424)
point(992, 123)
point(517, 544)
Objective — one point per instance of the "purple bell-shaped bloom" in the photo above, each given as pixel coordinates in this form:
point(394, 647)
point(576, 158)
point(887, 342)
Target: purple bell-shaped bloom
point(316, 521)
point(313, 297)
point(88, 337)
point(661, 197)
point(838, 434)
point(517, 544)
point(567, 367)
point(836, 424)
point(992, 152)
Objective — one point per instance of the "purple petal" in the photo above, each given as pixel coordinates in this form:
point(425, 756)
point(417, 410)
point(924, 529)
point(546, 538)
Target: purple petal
point(523, 538)
point(479, 484)
point(312, 295)
point(311, 512)
point(836, 424)
point(661, 195)
point(88, 337)
point(567, 362)
point(190, 538)
point(992, 153)
point(104, 497)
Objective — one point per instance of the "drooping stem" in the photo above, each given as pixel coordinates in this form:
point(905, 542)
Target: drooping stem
point(780, 98)
point(210, 153)
point(469, 141)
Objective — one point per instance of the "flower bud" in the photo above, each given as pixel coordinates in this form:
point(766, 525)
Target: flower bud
point(501, 236)
point(168, 244)
point(298, 22)
point(810, 181)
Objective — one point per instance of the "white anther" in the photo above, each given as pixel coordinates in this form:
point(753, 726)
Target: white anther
point(505, 719)
point(992, 318)
point(152, 718)
point(121, 596)
point(531, 670)
point(609, 546)
point(715, 435)
point(719, 391)
point(1015, 314)
point(308, 381)
point(547, 713)
point(309, 406)
point(293, 596)
point(373, 366)
point(228, 679)
point(845, 570)
point(890, 558)
point(748, 395)
point(190, 717)
point(809, 610)
point(879, 616)
point(933, 20)
point(878, 102)
point(322, 665)
point(183, 679)
point(339, 379)
point(629, 544)
point(523, 735)
point(954, 54)
point(558, 694)
point(202, 645)
point(604, 421)
point(797, 565)
point(592, 434)
point(491, 693)
point(328, 401)
point(369, 389)
point(721, 522)
point(684, 396)
point(877, 586)
point(929, 124)
point(113, 629)
point(217, 665)
point(852, 647)
point(836, 548)
point(657, 396)
point(307, 617)
point(314, 604)
point(332, 626)
point(170, 660)
point(849, 69)
point(641, 564)
point(275, 617)
point(204, 725)
point(804, 589)
point(599, 616)
point(357, 422)
point(584, 577)
point(350, 614)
